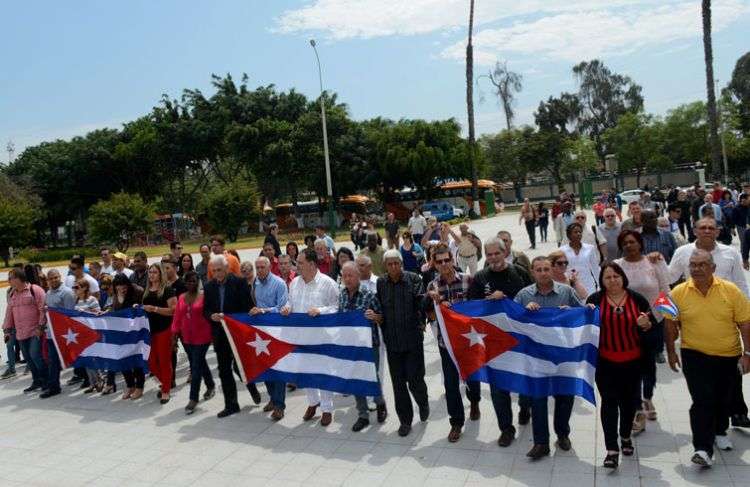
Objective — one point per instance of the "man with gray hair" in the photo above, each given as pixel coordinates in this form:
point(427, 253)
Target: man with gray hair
point(711, 311)
point(270, 295)
point(224, 293)
point(58, 296)
point(401, 295)
point(497, 281)
point(366, 278)
point(611, 229)
point(354, 297)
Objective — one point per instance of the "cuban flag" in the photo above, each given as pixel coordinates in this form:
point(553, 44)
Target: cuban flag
point(116, 341)
point(536, 353)
point(666, 306)
point(332, 352)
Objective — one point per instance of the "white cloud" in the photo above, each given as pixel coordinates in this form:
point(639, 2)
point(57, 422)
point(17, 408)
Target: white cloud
point(556, 29)
point(342, 19)
point(582, 35)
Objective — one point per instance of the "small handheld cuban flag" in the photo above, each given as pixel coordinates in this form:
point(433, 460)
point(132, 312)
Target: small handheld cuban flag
point(666, 306)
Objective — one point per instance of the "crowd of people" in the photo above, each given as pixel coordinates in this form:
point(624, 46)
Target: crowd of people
point(621, 267)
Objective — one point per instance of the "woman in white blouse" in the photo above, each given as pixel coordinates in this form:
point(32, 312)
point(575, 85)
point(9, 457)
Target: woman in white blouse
point(583, 259)
point(648, 277)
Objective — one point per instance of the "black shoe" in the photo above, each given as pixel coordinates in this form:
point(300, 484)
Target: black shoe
point(228, 412)
point(404, 430)
point(506, 437)
point(538, 451)
point(524, 415)
point(424, 413)
point(211, 392)
point(49, 393)
point(660, 358)
point(740, 421)
point(254, 393)
point(563, 442)
point(361, 424)
point(31, 388)
point(74, 380)
point(612, 460)
point(382, 413)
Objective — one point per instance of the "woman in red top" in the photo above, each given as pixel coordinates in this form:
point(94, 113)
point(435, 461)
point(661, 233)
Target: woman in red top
point(188, 322)
point(623, 315)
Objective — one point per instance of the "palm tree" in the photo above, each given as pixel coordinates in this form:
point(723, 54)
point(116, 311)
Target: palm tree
point(713, 134)
point(506, 82)
point(470, 112)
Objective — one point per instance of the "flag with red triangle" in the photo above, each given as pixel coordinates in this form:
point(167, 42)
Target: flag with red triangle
point(474, 341)
point(116, 340)
point(666, 306)
point(550, 351)
point(333, 352)
point(71, 337)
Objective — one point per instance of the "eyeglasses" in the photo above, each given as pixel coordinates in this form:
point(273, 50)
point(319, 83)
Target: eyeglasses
point(442, 261)
point(580, 218)
point(76, 287)
point(561, 263)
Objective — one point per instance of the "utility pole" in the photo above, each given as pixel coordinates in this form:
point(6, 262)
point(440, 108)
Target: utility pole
point(11, 149)
point(720, 125)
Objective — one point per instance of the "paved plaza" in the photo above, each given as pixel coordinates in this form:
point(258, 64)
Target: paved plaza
point(75, 439)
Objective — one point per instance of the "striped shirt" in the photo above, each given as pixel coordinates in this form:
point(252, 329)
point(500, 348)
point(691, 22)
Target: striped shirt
point(452, 292)
point(619, 336)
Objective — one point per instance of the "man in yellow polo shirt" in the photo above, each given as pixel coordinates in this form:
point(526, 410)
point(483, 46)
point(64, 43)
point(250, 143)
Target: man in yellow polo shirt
point(711, 310)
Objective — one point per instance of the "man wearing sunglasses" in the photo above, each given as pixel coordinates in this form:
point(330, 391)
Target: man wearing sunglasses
point(451, 287)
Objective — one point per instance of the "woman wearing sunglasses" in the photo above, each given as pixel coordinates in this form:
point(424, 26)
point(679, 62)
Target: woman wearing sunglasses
point(559, 267)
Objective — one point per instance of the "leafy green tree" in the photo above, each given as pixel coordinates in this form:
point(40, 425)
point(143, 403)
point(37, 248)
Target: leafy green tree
point(16, 227)
point(637, 143)
point(227, 207)
point(119, 219)
point(604, 97)
point(739, 88)
point(685, 134)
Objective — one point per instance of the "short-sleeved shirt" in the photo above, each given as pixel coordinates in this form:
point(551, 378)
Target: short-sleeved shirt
point(157, 322)
point(70, 280)
point(561, 295)
point(709, 323)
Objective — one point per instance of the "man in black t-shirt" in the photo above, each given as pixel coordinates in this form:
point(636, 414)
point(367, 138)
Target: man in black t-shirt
point(391, 231)
point(501, 280)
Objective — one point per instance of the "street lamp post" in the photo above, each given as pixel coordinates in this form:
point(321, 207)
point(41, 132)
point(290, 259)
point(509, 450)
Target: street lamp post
point(329, 187)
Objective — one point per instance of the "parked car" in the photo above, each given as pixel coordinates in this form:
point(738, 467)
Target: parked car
point(631, 195)
point(441, 210)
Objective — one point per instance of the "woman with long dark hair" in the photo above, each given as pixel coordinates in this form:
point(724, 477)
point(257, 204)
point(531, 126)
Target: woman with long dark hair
point(624, 315)
point(292, 250)
point(186, 265)
point(158, 302)
point(190, 324)
point(343, 255)
point(648, 279)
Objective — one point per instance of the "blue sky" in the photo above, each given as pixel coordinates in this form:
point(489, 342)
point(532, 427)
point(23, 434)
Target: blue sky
point(71, 67)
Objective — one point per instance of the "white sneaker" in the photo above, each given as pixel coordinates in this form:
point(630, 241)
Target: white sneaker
point(701, 458)
point(723, 443)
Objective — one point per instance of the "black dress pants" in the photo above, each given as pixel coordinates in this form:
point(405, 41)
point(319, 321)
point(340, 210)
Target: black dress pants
point(407, 374)
point(224, 359)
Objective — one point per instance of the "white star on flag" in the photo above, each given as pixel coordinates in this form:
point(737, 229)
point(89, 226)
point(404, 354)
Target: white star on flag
point(260, 345)
point(474, 337)
point(70, 337)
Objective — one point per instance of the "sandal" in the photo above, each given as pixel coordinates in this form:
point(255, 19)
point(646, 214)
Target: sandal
point(612, 460)
point(627, 447)
point(137, 394)
point(128, 393)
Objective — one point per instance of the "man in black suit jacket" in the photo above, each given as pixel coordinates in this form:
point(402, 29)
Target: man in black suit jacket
point(225, 293)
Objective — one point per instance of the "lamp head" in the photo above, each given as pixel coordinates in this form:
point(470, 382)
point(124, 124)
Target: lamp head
point(312, 42)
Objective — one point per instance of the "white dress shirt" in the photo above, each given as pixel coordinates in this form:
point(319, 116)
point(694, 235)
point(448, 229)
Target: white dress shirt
point(108, 269)
point(728, 264)
point(370, 284)
point(585, 263)
point(322, 293)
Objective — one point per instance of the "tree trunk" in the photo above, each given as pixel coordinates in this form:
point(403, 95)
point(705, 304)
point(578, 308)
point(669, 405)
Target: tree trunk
point(470, 109)
point(713, 135)
point(507, 114)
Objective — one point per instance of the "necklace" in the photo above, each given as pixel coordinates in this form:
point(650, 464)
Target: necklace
point(618, 304)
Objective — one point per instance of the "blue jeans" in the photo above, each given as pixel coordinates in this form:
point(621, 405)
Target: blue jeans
point(32, 350)
point(277, 392)
point(10, 349)
point(540, 418)
point(198, 369)
point(53, 367)
point(363, 410)
point(502, 404)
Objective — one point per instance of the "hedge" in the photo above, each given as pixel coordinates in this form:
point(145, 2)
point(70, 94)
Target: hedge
point(57, 254)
